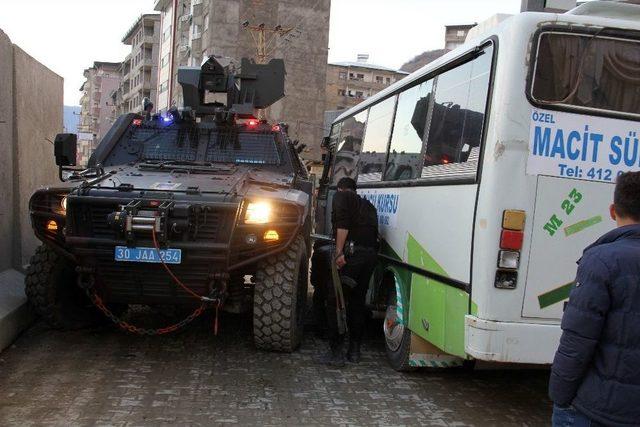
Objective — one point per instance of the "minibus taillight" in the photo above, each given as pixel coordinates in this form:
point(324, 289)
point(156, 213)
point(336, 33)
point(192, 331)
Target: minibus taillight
point(511, 239)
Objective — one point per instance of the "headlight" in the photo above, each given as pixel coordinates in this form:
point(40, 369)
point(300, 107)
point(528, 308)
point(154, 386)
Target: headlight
point(63, 203)
point(258, 213)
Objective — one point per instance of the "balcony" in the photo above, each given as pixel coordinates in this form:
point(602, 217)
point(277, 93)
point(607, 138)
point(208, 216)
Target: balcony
point(147, 41)
point(196, 7)
point(184, 50)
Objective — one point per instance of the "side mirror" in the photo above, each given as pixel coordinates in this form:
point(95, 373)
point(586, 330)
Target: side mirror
point(325, 142)
point(66, 149)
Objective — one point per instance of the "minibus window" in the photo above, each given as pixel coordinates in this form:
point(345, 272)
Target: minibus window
point(376, 139)
point(457, 119)
point(349, 146)
point(588, 71)
point(408, 132)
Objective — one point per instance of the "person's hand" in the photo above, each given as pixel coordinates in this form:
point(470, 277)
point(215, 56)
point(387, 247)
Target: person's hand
point(341, 261)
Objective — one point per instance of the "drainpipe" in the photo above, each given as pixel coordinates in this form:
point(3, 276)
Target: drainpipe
point(174, 47)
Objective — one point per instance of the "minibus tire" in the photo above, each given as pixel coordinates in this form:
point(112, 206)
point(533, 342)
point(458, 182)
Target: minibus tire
point(399, 359)
point(398, 355)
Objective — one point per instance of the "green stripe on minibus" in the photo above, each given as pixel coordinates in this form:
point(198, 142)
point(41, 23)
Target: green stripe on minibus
point(579, 226)
point(555, 296)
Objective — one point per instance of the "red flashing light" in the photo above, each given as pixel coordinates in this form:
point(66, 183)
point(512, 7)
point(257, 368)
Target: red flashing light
point(154, 203)
point(252, 123)
point(445, 159)
point(137, 122)
point(275, 128)
point(511, 240)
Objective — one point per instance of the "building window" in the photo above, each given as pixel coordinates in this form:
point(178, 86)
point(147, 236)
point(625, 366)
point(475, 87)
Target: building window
point(167, 34)
point(359, 95)
point(163, 87)
point(359, 76)
point(460, 33)
point(342, 75)
point(206, 21)
point(388, 80)
point(165, 61)
point(379, 79)
point(341, 92)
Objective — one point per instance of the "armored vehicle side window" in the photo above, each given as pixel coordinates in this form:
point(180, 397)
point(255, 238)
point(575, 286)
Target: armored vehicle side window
point(349, 147)
point(408, 132)
point(376, 140)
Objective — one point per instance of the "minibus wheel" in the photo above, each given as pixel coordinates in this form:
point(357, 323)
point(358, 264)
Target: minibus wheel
point(397, 338)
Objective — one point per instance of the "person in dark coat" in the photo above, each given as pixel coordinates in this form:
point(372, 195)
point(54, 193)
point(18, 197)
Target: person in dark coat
point(595, 378)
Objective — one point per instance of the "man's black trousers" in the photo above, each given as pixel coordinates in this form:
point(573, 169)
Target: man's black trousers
point(359, 268)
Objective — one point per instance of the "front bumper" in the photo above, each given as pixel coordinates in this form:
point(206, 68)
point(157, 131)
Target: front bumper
point(511, 342)
point(210, 234)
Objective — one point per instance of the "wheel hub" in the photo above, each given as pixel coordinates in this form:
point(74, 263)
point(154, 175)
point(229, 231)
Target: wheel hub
point(393, 330)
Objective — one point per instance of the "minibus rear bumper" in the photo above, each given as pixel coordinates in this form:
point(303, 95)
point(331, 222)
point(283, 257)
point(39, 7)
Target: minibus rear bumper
point(511, 342)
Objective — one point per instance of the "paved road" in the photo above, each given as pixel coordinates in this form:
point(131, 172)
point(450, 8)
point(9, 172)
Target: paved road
point(106, 377)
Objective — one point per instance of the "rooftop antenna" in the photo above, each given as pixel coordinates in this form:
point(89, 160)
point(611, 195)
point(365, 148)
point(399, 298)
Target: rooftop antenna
point(264, 39)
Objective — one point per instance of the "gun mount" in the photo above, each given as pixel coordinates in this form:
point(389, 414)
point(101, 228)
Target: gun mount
point(255, 86)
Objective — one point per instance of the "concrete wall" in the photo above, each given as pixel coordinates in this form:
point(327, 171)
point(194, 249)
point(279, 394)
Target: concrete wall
point(6, 151)
point(31, 107)
point(38, 109)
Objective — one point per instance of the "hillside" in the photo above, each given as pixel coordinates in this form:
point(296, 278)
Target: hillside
point(423, 59)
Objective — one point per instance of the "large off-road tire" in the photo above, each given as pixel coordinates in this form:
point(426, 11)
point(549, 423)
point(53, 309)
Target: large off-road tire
point(397, 338)
point(279, 299)
point(52, 291)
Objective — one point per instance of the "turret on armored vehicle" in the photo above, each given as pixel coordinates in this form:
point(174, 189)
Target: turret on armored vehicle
point(181, 209)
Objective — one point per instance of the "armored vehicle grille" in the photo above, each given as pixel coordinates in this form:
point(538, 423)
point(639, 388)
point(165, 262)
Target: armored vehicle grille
point(148, 283)
point(212, 226)
point(99, 226)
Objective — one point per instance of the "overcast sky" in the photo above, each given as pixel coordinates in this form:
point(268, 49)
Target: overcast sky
point(68, 35)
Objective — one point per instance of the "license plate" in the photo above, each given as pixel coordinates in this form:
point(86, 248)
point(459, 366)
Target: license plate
point(152, 255)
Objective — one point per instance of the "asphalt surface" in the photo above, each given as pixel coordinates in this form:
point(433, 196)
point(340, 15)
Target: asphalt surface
point(107, 377)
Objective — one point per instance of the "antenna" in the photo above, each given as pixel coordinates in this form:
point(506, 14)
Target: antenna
point(264, 39)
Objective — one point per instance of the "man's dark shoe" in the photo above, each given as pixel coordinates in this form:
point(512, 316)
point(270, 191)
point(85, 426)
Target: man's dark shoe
point(333, 357)
point(353, 354)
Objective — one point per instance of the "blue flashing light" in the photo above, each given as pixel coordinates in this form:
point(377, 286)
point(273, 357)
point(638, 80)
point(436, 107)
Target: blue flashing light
point(167, 119)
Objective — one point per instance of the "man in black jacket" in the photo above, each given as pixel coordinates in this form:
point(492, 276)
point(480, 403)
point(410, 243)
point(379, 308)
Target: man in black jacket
point(355, 226)
point(595, 376)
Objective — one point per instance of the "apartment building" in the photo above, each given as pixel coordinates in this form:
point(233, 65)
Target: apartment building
point(96, 108)
point(139, 70)
point(455, 35)
point(349, 83)
point(295, 30)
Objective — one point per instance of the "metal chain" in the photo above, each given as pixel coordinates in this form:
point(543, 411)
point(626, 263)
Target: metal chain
point(97, 301)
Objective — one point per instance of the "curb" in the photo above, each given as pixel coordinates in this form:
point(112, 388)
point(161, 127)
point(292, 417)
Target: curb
point(15, 315)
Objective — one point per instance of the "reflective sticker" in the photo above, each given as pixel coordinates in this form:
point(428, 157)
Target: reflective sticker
point(165, 185)
point(579, 226)
point(555, 295)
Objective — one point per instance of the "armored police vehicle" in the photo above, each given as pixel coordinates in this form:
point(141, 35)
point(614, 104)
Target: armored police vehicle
point(207, 206)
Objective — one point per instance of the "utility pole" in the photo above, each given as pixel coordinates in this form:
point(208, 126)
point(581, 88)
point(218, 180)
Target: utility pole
point(264, 39)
